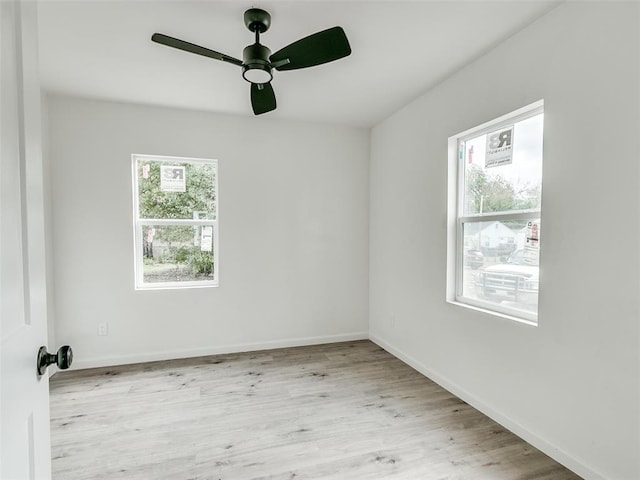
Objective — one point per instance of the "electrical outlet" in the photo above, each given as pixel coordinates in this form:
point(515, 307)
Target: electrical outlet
point(103, 329)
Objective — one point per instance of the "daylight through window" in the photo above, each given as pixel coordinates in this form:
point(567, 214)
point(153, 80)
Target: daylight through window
point(498, 214)
point(176, 222)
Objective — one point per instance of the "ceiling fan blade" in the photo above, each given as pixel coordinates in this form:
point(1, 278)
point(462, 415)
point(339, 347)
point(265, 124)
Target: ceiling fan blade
point(321, 47)
point(263, 99)
point(193, 48)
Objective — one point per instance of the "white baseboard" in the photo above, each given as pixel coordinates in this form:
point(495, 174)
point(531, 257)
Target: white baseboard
point(572, 463)
point(83, 363)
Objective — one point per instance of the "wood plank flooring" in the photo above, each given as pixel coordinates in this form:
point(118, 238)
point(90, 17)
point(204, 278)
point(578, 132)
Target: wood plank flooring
point(345, 411)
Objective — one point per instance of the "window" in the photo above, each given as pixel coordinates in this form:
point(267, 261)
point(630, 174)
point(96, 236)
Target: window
point(175, 204)
point(495, 214)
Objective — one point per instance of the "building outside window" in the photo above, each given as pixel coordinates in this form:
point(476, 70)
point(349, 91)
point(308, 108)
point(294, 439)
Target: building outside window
point(496, 236)
point(175, 222)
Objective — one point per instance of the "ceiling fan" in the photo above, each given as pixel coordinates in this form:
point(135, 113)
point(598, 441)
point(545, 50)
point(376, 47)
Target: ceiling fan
point(258, 62)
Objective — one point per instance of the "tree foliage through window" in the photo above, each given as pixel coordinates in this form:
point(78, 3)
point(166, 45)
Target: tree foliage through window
point(494, 193)
point(199, 197)
point(176, 228)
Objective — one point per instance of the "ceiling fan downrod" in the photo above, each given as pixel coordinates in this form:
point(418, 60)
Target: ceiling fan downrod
point(256, 67)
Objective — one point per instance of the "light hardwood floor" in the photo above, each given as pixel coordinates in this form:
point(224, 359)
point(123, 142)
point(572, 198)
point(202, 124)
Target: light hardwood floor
point(343, 411)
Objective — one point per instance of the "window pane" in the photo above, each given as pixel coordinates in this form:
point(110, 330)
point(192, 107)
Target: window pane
point(500, 263)
point(176, 189)
point(502, 179)
point(177, 253)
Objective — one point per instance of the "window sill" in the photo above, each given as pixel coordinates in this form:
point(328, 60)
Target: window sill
point(530, 322)
point(175, 286)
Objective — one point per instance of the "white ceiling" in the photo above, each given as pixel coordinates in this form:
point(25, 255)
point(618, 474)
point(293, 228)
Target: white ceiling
point(400, 50)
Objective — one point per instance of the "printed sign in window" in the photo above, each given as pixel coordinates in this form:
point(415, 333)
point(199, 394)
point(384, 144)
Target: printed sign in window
point(173, 178)
point(531, 253)
point(206, 239)
point(499, 148)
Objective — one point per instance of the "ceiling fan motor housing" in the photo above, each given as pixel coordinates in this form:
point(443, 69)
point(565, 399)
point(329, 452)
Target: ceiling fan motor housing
point(256, 67)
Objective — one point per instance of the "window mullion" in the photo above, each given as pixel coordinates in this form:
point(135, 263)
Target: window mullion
point(175, 221)
point(525, 215)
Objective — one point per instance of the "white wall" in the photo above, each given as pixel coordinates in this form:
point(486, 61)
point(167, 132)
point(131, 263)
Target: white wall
point(571, 385)
point(293, 233)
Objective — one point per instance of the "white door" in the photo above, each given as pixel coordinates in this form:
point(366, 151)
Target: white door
point(24, 396)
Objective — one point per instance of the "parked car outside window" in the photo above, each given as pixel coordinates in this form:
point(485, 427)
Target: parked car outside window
point(513, 281)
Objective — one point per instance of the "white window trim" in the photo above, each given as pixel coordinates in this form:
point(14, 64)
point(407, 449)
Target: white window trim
point(455, 220)
point(139, 223)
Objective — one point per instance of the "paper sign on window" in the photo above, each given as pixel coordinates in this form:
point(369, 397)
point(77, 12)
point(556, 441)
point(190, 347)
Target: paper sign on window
point(206, 239)
point(531, 254)
point(173, 179)
point(499, 148)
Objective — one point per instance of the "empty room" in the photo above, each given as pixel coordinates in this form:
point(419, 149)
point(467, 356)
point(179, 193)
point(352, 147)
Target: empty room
point(320, 240)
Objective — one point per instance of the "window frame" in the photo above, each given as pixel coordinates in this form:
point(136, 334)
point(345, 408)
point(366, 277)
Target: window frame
point(457, 219)
point(139, 223)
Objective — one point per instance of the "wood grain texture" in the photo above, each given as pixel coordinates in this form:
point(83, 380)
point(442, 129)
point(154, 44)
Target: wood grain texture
point(341, 411)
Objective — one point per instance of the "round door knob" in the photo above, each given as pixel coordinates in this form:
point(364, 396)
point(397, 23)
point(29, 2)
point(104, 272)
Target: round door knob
point(62, 358)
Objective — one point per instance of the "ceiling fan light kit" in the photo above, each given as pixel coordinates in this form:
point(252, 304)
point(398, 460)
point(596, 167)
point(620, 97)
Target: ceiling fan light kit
point(256, 67)
point(258, 63)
